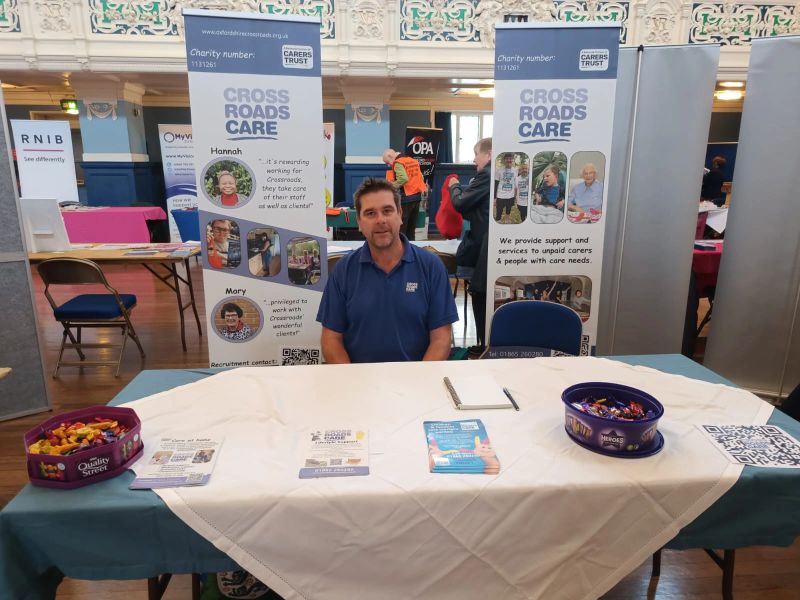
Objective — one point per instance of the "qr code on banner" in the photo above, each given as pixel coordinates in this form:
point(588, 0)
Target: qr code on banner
point(300, 356)
point(757, 445)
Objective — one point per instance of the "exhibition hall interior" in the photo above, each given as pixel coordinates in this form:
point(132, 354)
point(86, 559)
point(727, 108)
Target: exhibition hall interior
point(258, 258)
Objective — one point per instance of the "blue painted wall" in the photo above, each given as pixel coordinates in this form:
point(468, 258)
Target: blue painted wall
point(366, 138)
point(108, 136)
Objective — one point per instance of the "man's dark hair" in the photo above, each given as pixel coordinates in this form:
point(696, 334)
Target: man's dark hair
point(374, 184)
point(231, 307)
point(718, 162)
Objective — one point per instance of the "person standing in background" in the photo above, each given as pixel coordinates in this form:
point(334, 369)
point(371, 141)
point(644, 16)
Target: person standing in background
point(406, 176)
point(474, 203)
point(712, 182)
point(523, 192)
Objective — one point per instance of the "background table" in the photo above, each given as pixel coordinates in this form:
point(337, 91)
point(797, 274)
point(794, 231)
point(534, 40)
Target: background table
point(705, 266)
point(111, 225)
point(167, 260)
point(105, 531)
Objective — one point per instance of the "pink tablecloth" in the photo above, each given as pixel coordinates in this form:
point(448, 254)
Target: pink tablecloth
point(111, 225)
point(705, 265)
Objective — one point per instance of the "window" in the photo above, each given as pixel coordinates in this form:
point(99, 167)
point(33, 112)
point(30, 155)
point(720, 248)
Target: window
point(466, 130)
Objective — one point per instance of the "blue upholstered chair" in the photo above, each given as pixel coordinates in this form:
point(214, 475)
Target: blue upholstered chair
point(537, 324)
point(188, 222)
point(87, 310)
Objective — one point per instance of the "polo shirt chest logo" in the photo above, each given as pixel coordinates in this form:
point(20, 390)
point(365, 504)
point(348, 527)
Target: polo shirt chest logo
point(411, 286)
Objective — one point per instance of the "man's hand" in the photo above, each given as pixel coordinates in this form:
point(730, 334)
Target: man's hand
point(439, 346)
point(333, 349)
point(560, 204)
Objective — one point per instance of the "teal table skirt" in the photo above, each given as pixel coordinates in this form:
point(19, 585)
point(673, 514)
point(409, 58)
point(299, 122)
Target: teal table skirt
point(105, 531)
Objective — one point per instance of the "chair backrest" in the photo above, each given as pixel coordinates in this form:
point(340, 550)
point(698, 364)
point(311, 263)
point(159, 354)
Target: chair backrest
point(536, 323)
point(71, 271)
point(448, 260)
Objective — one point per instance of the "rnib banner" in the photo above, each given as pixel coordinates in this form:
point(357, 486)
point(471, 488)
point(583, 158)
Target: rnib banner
point(44, 159)
point(553, 117)
point(256, 102)
point(177, 157)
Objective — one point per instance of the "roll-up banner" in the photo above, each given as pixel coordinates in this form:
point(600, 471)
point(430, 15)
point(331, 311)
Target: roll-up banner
point(328, 144)
point(256, 103)
point(177, 158)
point(553, 117)
point(422, 144)
point(45, 160)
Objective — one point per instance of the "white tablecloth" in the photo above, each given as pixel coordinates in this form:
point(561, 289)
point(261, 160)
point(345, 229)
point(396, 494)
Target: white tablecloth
point(558, 522)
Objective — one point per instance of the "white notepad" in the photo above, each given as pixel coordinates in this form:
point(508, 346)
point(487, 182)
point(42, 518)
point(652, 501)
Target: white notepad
point(476, 392)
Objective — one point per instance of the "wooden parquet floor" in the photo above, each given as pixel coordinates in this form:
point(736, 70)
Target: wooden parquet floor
point(761, 573)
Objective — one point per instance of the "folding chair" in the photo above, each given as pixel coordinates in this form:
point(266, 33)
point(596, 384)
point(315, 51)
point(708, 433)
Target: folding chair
point(332, 260)
point(536, 324)
point(87, 310)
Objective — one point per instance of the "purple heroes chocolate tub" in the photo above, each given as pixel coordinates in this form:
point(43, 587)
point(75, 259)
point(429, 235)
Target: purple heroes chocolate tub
point(608, 435)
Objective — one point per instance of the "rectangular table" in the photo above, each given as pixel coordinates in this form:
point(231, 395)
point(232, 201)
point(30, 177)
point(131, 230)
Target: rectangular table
point(117, 224)
point(172, 278)
point(105, 531)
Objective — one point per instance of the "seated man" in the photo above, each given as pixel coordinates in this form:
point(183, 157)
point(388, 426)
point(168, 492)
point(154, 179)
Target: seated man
point(389, 300)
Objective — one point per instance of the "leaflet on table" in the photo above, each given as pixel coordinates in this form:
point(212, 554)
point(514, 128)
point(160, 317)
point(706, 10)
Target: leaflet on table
point(755, 445)
point(336, 453)
point(178, 462)
point(460, 447)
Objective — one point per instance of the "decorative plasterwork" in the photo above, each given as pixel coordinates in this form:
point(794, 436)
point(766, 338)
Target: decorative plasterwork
point(101, 110)
point(439, 20)
point(9, 16)
point(661, 22)
point(163, 17)
point(367, 112)
point(736, 23)
point(54, 15)
point(367, 20)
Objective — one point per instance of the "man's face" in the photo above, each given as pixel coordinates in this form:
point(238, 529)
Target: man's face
point(523, 171)
point(227, 184)
point(220, 230)
point(481, 158)
point(379, 220)
point(231, 320)
point(550, 178)
point(388, 158)
point(508, 160)
point(589, 176)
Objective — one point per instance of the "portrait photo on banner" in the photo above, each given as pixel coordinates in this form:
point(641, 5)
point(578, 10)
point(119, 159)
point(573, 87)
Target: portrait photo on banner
point(573, 291)
point(549, 172)
point(586, 181)
point(263, 252)
point(237, 319)
point(224, 246)
point(512, 187)
point(228, 183)
point(304, 263)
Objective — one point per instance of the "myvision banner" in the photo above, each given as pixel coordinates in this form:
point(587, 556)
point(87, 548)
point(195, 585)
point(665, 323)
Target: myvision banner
point(553, 118)
point(256, 104)
point(177, 158)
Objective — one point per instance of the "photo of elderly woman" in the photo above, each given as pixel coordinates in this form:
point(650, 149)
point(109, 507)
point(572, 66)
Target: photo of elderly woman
point(228, 183)
point(263, 252)
point(237, 319)
point(549, 175)
point(586, 174)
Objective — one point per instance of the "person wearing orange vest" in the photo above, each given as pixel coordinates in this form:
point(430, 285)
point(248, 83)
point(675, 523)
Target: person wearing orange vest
point(405, 174)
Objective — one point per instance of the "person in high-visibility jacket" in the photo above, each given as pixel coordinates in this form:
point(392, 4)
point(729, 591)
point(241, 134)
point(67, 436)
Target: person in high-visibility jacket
point(406, 176)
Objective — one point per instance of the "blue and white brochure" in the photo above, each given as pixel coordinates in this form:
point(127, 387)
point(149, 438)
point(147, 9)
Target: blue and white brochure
point(341, 452)
point(178, 462)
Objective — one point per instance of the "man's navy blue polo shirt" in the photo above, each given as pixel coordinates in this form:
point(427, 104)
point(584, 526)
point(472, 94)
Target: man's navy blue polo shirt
point(387, 317)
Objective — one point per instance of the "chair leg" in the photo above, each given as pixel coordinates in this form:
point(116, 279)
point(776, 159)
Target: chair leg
point(61, 351)
point(195, 586)
point(74, 341)
point(656, 570)
point(135, 338)
point(121, 349)
point(466, 298)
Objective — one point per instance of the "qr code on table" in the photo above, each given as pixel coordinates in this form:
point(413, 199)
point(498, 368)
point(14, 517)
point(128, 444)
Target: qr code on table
point(300, 356)
point(757, 445)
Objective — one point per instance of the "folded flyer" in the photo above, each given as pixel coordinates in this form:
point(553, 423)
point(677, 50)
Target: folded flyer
point(342, 452)
point(460, 447)
point(178, 462)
